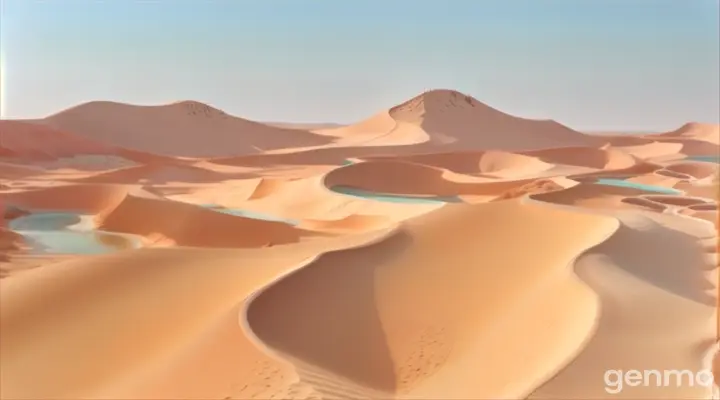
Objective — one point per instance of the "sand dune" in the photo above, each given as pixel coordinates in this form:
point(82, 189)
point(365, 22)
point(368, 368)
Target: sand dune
point(695, 130)
point(400, 328)
point(184, 224)
point(404, 178)
point(269, 160)
point(638, 293)
point(350, 223)
point(450, 117)
point(12, 171)
point(492, 163)
point(602, 158)
point(180, 129)
point(438, 249)
point(30, 141)
point(88, 199)
point(696, 170)
point(158, 173)
point(601, 197)
point(25, 140)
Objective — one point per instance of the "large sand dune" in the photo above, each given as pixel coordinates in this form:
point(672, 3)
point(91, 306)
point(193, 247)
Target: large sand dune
point(450, 117)
point(26, 140)
point(185, 128)
point(438, 249)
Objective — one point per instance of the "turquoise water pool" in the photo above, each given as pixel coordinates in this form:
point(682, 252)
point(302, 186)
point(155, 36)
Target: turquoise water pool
point(391, 198)
point(641, 186)
point(711, 159)
point(68, 233)
point(250, 214)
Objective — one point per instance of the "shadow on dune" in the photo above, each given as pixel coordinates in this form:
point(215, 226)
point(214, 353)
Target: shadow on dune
point(325, 315)
point(676, 264)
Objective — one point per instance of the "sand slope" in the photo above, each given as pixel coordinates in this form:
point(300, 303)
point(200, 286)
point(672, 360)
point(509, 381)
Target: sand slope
point(187, 128)
point(25, 140)
point(405, 178)
point(450, 117)
point(405, 322)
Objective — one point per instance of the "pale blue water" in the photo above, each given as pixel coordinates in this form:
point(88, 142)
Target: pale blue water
point(649, 188)
point(711, 159)
point(391, 198)
point(48, 233)
point(249, 214)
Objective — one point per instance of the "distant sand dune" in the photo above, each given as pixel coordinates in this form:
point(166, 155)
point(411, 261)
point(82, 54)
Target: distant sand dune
point(12, 171)
point(601, 197)
point(270, 160)
point(31, 141)
point(450, 117)
point(157, 174)
point(695, 130)
point(188, 129)
point(696, 170)
point(406, 178)
point(527, 163)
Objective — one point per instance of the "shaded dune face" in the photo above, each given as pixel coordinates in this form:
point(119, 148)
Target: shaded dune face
point(390, 316)
point(342, 289)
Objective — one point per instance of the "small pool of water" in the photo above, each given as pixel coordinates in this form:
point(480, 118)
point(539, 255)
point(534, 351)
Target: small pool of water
point(634, 185)
point(392, 198)
point(68, 233)
point(710, 159)
point(249, 214)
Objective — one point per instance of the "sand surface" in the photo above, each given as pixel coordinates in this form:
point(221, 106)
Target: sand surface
point(438, 249)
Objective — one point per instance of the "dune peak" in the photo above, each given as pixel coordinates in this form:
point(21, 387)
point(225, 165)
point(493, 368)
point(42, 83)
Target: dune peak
point(437, 99)
point(197, 108)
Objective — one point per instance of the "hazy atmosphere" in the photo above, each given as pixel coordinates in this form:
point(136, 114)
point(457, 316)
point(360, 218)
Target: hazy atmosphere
point(593, 65)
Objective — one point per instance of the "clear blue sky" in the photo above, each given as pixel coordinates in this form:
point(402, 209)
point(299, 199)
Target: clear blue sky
point(591, 64)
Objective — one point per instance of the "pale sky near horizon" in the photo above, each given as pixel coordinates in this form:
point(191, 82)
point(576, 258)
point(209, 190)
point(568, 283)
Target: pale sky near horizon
point(590, 64)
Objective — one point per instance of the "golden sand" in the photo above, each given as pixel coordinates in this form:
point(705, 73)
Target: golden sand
point(475, 256)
